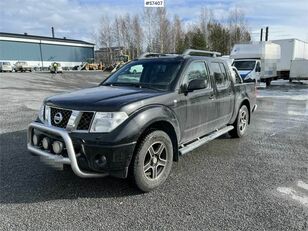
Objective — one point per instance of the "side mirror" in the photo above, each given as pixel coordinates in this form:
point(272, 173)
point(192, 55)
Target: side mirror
point(258, 69)
point(196, 84)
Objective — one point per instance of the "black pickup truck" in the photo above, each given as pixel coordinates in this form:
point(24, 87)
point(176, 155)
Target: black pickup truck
point(142, 118)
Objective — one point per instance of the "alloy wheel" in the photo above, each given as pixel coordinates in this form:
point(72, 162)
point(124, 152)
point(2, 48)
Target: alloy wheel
point(243, 120)
point(155, 160)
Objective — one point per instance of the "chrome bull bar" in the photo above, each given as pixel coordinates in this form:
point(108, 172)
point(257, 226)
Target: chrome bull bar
point(58, 159)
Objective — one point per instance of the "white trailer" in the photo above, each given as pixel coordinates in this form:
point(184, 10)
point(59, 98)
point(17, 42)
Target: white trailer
point(299, 69)
point(291, 49)
point(256, 61)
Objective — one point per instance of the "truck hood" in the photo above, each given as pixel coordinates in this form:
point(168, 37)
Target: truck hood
point(102, 98)
point(244, 73)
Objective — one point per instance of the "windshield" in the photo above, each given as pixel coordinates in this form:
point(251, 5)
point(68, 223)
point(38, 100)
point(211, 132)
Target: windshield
point(157, 74)
point(244, 65)
point(6, 63)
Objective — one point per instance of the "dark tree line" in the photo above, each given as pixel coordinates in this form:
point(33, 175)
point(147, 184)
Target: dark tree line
point(154, 31)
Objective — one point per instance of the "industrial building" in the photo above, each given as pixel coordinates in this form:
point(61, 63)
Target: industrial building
point(40, 51)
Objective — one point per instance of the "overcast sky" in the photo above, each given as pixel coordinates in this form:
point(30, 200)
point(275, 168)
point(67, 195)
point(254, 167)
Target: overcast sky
point(78, 19)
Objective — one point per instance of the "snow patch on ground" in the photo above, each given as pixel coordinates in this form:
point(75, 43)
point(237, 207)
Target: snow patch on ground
point(300, 194)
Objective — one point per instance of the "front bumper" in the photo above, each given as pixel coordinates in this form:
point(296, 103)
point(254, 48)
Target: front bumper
point(117, 156)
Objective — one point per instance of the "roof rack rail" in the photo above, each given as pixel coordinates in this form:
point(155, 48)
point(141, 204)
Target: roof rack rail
point(151, 54)
point(200, 52)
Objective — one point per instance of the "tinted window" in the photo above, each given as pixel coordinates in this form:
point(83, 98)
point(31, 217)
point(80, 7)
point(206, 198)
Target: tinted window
point(220, 74)
point(197, 70)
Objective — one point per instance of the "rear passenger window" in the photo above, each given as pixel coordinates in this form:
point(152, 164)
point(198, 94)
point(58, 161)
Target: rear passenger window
point(220, 75)
point(197, 70)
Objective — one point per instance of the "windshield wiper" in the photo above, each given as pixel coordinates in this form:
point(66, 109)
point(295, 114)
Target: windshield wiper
point(119, 84)
point(139, 85)
point(149, 86)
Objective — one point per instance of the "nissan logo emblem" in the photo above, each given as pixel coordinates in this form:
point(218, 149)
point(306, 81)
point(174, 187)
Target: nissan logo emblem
point(58, 118)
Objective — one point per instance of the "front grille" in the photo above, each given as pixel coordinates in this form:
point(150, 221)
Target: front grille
point(83, 124)
point(66, 114)
point(85, 121)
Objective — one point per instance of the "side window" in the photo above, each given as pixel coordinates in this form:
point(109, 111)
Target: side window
point(220, 75)
point(197, 70)
point(258, 67)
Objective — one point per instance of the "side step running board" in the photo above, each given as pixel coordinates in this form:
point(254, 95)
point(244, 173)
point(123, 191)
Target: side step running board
point(204, 140)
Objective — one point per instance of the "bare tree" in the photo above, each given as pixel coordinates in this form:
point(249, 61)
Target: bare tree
point(150, 27)
point(117, 31)
point(137, 36)
point(205, 17)
point(163, 29)
point(105, 37)
point(237, 27)
point(179, 35)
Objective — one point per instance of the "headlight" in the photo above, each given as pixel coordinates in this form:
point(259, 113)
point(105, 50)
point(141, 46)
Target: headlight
point(41, 114)
point(107, 121)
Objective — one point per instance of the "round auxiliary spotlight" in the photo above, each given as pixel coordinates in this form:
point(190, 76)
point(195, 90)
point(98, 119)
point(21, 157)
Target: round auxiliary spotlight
point(57, 147)
point(100, 161)
point(35, 140)
point(46, 143)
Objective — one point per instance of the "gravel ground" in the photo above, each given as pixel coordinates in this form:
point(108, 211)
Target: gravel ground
point(258, 182)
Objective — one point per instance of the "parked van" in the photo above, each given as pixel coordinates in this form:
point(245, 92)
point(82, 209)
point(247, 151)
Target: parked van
point(256, 61)
point(6, 66)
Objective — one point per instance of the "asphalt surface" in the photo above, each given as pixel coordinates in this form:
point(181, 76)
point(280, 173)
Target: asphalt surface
point(258, 182)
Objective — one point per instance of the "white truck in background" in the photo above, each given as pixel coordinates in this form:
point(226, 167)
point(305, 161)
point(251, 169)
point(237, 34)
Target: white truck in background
point(291, 50)
point(299, 70)
point(256, 61)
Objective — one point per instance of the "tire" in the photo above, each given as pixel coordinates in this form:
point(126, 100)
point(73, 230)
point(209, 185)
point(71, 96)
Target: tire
point(290, 80)
point(241, 122)
point(268, 82)
point(152, 162)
